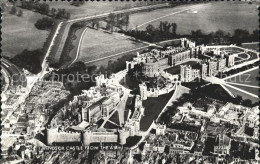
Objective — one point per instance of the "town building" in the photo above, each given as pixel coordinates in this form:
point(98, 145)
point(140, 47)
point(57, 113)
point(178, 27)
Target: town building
point(222, 145)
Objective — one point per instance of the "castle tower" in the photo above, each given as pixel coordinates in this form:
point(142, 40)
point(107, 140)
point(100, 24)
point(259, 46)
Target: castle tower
point(51, 135)
point(86, 138)
point(204, 70)
point(99, 80)
point(122, 136)
point(182, 43)
point(143, 91)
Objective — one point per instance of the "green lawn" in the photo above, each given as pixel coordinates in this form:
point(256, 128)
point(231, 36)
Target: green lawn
point(174, 70)
point(115, 118)
point(243, 55)
point(244, 96)
point(248, 89)
point(153, 107)
point(19, 33)
point(249, 78)
point(98, 44)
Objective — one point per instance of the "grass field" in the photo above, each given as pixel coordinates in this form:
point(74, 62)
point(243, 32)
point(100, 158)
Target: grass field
point(208, 17)
point(91, 7)
point(248, 89)
point(153, 107)
point(244, 96)
point(98, 44)
point(19, 33)
point(249, 78)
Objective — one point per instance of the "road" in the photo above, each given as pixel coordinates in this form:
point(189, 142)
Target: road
point(39, 76)
point(80, 41)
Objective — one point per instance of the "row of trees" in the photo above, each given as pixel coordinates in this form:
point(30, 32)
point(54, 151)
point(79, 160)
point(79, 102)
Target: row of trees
point(221, 37)
point(13, 11)
point(164, 31)
point(117, 20)
point(45, 9)
point(29, 60)
point(167, 30)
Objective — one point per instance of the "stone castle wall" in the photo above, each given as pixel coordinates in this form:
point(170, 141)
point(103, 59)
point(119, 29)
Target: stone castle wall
point(90, 137)
point(53, 136)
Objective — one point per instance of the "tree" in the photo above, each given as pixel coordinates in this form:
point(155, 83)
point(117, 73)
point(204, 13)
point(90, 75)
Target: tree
point(255, 36)
point(247, 103)
point(126, 21)
point(53, 12)
point(61, 13)
point(20, 13)
point(238, 99)
point(174, 28)
point(240, 36)
point(13, 10)
point(68, 15)
point(150, 28)
point(44, 23)
point(3, 7)
point(97, 24)
point(10, 150)
point(196, 33)
point(30, 60)
point(111, 21)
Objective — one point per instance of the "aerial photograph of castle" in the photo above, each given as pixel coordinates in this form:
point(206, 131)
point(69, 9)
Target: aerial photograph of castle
point(130, 82)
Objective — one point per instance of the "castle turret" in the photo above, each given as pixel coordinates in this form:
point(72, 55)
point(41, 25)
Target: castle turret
point(143, 91)
point(122, 136)
point(50, 137)
point(86, 138)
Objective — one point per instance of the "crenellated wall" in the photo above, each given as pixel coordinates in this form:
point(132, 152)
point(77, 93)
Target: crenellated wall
point(54, 136)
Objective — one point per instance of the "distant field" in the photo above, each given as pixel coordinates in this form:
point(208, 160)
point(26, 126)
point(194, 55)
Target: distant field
point(208, 17)
point(91, 8)
point(19, 33)
point(98, 44)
